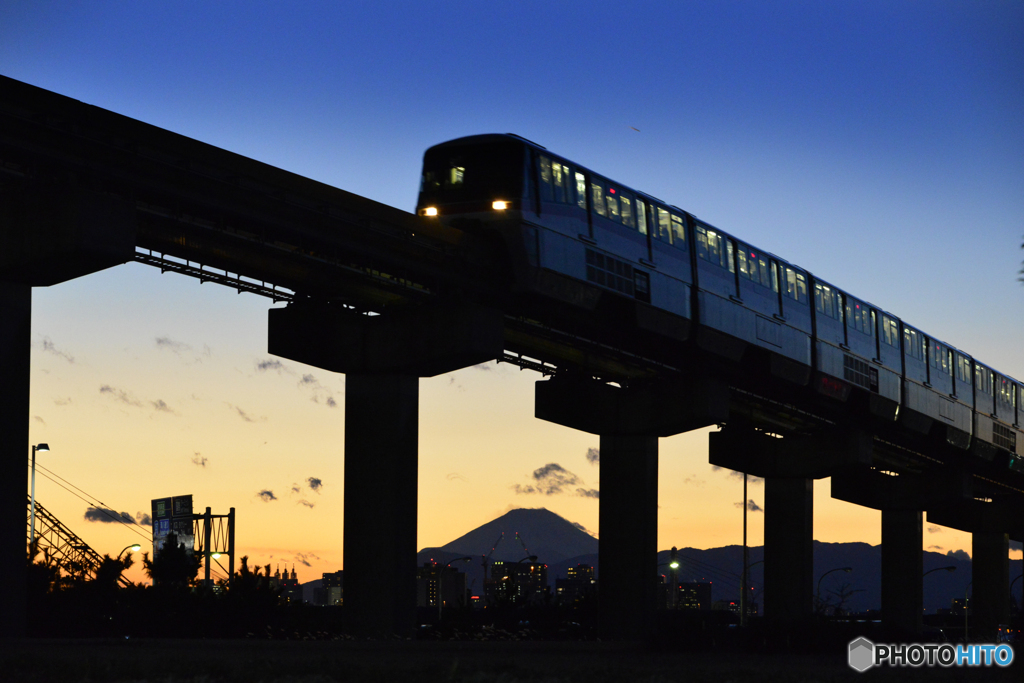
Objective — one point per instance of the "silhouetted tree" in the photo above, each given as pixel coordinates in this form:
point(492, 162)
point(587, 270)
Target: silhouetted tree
point(174, 566)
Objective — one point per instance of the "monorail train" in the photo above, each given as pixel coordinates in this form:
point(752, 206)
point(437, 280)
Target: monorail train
point(575, 235)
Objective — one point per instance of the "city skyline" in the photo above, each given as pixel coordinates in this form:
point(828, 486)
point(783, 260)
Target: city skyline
point(877, 146)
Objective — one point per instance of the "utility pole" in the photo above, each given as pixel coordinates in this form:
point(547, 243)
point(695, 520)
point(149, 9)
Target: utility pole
point(746, 559)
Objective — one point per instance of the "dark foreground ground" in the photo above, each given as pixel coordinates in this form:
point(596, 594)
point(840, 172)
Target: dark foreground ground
point(255, 661)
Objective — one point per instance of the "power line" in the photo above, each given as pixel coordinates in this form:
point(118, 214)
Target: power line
point(104, 511)
point(105, 506)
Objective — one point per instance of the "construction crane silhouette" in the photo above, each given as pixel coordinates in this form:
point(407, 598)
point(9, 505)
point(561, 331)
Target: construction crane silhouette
point(485, 558)
point(523, 543)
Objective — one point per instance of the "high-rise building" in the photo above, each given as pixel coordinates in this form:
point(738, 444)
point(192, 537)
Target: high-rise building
point(517, 583)
point(331, 591)
point(291, 591)
point(578, 585)
point(453, 591)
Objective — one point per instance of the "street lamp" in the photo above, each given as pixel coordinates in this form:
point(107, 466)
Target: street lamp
point(214, 557)
point(32, 516)
point(134, 547)
point(440, 575)
point(837, 569)
point(938, 569)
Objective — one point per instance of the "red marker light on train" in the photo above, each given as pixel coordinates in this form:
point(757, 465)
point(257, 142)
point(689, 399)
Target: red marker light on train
point(612, 190)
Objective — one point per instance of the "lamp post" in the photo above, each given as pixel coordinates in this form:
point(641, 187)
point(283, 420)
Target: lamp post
point(440, 575)
point(966, 590)
point(32, 514)
point(817, 592)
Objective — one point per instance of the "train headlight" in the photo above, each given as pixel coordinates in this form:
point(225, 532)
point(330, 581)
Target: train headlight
point(429, 211)
point(499, 205)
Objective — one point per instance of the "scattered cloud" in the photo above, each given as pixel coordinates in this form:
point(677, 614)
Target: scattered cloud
point(62, 401)
point(694, 480)
point(304, 558)
point(199, 460)
point(39, 419)
point(315, 483)
point(296, 490)
point(935, 547)
point(934, 529)
point(121, 395)
point(959, 555)
point(107, 516)
point(162, 407)
point(49, 347)
point(266, 495)
point(129, 399)
point(242, 414)
point(271, 364)
point(183, 350)
point(484, 367)
point(452, 476)
point(306, 503)
point(751, 506)
point(143, 519)
point(751, 479)
point(553, 479)
point(318, 391)
point(594, 456)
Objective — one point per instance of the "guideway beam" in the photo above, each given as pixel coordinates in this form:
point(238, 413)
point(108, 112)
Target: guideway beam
point(383, 358)
point(990, 524)
point(901, 500)
point(629, 422)
point(789, 467)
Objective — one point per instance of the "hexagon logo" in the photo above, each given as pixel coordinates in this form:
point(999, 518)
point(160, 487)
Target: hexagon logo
point(862, 654)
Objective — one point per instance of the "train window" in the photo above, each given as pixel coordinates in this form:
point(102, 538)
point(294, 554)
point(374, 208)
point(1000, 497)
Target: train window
point(664, 231)
point(826, 301)
point(626, 211)
point(915, 343)
point(860, 317)
point(597, 198)
point(890, 331)
point(1005, 390)
point(983, 380)
point(714, 247)
point(641, 217)
point(796, 285)
point(938, 357)
point(581, 191)
point(611, 200)
point(560, 181)
point(678, 232)
point(963, 368)
point(545, 179)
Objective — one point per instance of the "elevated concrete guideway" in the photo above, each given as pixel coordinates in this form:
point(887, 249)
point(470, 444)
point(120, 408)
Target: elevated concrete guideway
point(387, 297)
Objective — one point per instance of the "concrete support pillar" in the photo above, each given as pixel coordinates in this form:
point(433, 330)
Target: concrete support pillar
point(15, 363)
point(381, 472)
point(990, 604)
point(628, 520)
point(788, 549)
point(902, 569)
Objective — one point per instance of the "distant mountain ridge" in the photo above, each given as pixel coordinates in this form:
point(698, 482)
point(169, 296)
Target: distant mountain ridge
point(561, 544)
point(550, 537)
